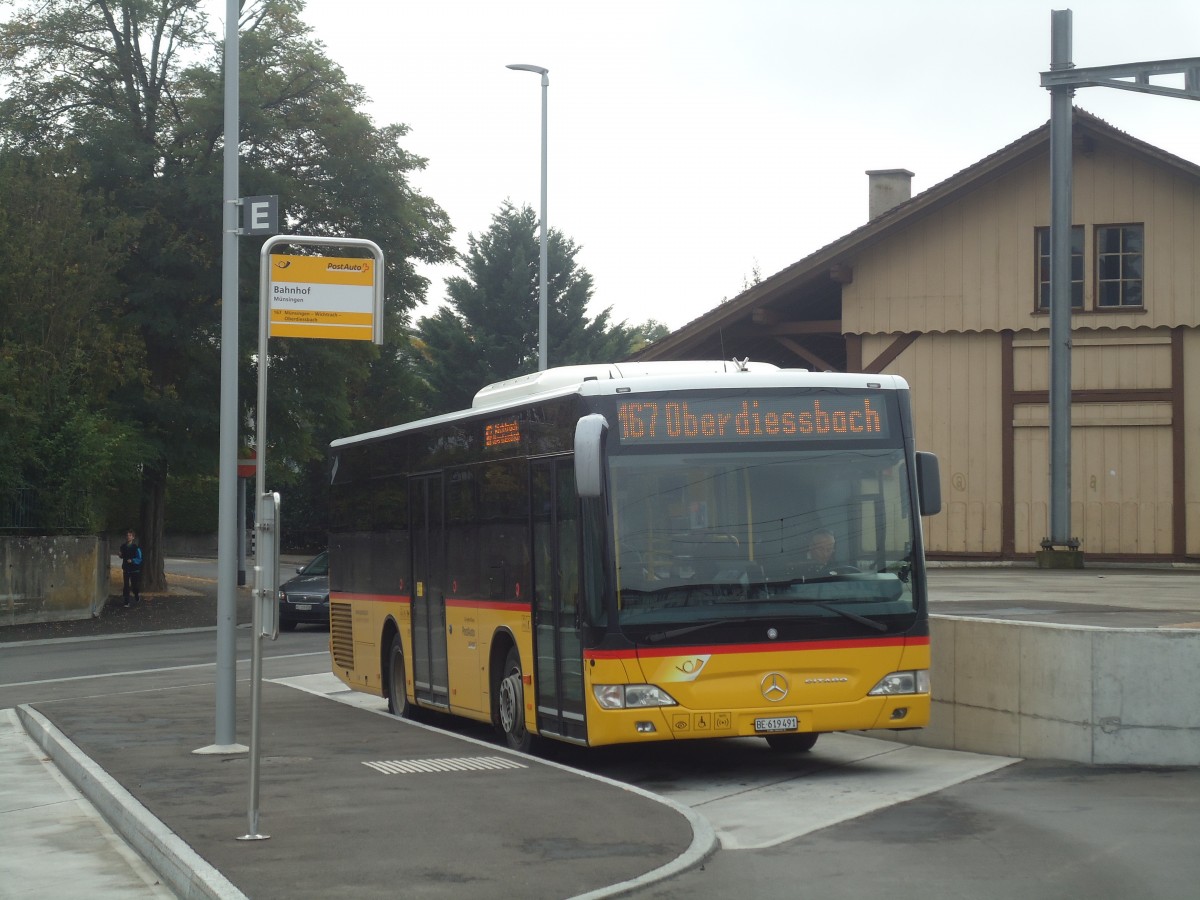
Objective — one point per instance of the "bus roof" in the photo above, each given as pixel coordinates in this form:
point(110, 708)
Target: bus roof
point(524, 386)
point(639, 377)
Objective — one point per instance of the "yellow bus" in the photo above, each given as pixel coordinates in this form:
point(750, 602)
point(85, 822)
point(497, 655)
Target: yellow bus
point(642, 552)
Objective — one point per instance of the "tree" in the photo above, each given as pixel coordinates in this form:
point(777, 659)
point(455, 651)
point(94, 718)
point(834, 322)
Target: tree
point(60, 352)
point(489, 332)
point(647, 333)
point(134, 87)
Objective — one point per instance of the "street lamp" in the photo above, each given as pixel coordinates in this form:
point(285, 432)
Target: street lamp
point(542, 303)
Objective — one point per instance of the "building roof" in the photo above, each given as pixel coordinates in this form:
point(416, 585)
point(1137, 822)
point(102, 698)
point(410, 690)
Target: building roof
point(816, 274)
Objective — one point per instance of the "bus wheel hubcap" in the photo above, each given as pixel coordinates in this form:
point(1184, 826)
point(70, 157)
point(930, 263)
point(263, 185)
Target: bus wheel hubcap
point(510, 701)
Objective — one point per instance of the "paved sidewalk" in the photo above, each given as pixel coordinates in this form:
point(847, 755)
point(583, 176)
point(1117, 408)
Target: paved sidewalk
point(55, 843)
point(357, 804)
point(1105, 596)
point(189, 602)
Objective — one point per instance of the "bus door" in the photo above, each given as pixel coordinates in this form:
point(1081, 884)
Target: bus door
point(556, 608)
point(429, 590)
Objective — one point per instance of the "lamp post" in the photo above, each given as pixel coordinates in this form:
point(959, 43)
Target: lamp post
point(542, 301)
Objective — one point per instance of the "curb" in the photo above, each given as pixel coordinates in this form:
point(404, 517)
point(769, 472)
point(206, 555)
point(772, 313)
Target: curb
point(704, 837)
point(179, 866)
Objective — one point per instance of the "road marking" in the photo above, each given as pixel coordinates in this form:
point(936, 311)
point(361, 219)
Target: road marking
point(110, 637)
point(154, 671)
point(326, 684)
point(847, 776)
point(451, 764)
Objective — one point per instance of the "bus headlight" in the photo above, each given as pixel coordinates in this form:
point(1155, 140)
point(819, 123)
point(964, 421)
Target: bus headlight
point(913, 682)
point(631, 696)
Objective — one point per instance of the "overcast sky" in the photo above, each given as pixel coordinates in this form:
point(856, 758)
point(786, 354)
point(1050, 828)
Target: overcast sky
point(692, 142)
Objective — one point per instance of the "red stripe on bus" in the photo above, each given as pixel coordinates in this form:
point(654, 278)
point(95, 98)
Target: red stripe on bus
point(513, 605)
point(342, 596)
point(718, 649)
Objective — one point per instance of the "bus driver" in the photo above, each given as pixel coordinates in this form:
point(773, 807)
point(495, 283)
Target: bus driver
point(820, 548)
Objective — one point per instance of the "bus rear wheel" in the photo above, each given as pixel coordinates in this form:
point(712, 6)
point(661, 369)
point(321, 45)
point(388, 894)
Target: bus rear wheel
point(510, 704)
point(398, 704)
point(792, 743)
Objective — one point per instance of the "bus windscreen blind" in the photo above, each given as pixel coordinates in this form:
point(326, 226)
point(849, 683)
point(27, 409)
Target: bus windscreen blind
point(764, 418)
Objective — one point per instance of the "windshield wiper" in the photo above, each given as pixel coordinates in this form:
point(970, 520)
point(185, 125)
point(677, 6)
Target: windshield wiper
point(688, 629)
point(853, 616)
point(827, 577)
point(700, 626)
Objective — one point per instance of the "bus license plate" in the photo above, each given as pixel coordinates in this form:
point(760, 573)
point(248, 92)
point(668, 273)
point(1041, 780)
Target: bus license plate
point(304, 606)
point(778, 723)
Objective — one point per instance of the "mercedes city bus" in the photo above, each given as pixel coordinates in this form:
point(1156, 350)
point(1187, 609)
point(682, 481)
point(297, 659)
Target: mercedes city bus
point(642, 552)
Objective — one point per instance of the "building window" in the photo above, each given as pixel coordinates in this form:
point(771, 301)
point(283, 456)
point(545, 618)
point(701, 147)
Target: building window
point(1119, 266)
point(1043, 251)
point(1116, 273)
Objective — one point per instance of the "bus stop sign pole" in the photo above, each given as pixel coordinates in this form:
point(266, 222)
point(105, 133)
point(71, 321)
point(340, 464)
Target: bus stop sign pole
point(266, 550)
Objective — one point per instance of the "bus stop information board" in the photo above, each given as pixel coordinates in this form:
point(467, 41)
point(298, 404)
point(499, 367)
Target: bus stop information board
point(322, 297)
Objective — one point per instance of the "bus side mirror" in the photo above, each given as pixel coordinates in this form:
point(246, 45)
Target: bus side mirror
point(929, 484)
point(589, 455)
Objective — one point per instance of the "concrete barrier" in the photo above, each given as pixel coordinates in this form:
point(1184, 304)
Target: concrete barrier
point(1112, 696)
point(52, 579)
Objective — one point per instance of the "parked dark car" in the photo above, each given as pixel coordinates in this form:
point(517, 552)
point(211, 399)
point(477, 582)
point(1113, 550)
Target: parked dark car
point(305, 598)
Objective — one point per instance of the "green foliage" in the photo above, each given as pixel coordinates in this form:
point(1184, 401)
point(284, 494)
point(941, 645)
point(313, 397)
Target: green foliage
point(61, 352)
point(490, 330)
point(124, 102)
point(111, 140)
point(647, 333)
point(192, 504)
point(305, 138)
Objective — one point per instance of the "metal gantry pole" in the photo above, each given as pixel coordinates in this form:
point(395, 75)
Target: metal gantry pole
point(1062, 80)
point(226, 661)
point(1060, 287)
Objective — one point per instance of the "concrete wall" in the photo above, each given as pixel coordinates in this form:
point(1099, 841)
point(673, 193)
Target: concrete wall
point(50, 579)
point(1106, 696)
point(203, 546)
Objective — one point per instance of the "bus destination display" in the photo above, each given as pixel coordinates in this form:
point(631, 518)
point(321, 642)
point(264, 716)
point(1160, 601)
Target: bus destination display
point(500, 434)
point(772, 418)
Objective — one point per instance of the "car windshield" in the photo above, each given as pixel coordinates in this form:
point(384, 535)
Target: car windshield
point(318, 566)
point(734, 537)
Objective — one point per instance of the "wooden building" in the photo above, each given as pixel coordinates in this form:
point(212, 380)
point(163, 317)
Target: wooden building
point(949, 289)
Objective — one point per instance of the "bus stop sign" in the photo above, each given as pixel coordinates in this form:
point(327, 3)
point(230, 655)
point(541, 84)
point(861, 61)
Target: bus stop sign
point(260, 215)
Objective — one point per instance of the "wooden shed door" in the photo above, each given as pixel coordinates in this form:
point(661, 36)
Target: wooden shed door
point(1121, 481)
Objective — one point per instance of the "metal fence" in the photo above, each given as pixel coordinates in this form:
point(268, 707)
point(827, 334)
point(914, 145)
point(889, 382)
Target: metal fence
point(32, 511)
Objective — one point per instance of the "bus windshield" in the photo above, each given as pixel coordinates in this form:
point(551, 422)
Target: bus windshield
point(717, 538)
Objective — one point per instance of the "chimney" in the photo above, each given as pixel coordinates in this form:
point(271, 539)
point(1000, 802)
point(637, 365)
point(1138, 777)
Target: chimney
point(887, 188)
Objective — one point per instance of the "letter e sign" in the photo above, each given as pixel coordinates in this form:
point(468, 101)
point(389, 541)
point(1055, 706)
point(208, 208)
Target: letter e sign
point(260, 215)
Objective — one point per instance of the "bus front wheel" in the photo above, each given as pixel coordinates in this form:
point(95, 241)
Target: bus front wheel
point(398, 704)
point(510, 701)
point(792, 743)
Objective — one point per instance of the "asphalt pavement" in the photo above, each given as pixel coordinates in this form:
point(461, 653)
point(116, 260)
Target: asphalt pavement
point(367, 805)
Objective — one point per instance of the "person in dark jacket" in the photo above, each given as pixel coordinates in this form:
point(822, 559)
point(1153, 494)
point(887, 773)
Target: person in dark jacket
point(131, 569)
